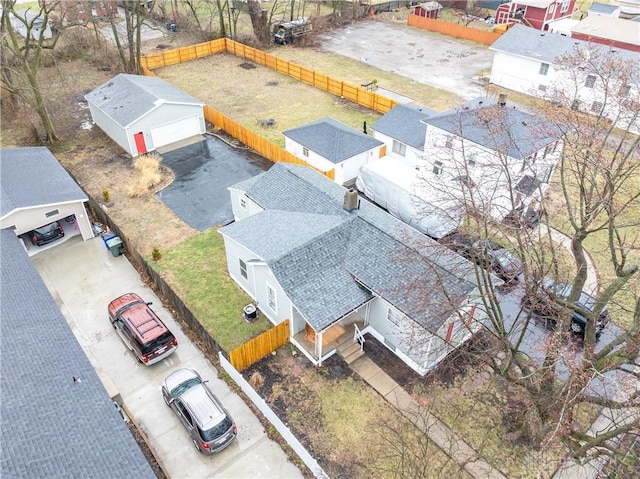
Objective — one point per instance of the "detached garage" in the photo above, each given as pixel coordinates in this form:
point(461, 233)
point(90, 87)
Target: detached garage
point(37, 190)
point(142, 114)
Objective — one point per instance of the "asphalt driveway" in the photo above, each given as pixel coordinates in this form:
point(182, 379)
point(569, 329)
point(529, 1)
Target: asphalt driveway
point(203, 172)
point(437, 60)
point(83, 277)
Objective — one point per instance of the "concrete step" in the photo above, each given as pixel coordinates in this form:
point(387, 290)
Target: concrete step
point(353, 356)
point(348, 347)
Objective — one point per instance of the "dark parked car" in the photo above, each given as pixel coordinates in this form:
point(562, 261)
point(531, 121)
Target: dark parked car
point(527, 219)
point(46, 234)
point(492, 255)
point(545, 304)
point(459, 242)
point(199, 410)
point(141, 329)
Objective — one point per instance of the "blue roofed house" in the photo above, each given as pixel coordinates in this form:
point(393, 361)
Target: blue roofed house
point(310, 251)
point(403, 131)
point(328, 144)
point(142, 114)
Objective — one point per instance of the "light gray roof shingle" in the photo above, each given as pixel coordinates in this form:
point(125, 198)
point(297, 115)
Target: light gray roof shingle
point(547, 47)
point(503, 129)
point(33, 177)
point(334, 259)
point(50, 425)
point(404, 123)
point(126, 98)
point(332, 140)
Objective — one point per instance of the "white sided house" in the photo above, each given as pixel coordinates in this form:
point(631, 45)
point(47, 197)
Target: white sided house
point(142, 114)
point(403, 131)
point(328, 144)
point(599, 79)
point(502, 156)
point(309, 251)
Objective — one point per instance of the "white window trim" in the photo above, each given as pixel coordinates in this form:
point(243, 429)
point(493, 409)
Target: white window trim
point(394, 317)
point(272, 299)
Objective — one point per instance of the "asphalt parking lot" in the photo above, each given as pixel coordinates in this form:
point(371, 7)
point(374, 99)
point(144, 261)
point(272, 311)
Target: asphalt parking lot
point(425, 57)
point(203, 172)
point(83, 277)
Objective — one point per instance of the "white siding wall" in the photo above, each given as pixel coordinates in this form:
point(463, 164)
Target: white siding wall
point(163, 114)
point(315, 160)
point(348, 169)
point(411, 156)
point(520, 74)
point(27, 219)
point(242, 206)
point(112, 129)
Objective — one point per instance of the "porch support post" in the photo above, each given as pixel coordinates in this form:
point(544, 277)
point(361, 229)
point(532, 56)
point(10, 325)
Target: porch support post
point(319, 347)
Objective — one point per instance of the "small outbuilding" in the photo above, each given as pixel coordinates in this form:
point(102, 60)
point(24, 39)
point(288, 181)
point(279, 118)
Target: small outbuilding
point(37, 190)
point(427, 10)
point(142, 114)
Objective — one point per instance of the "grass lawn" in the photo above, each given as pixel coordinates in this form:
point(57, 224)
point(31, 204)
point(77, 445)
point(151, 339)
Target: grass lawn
point(197, 270)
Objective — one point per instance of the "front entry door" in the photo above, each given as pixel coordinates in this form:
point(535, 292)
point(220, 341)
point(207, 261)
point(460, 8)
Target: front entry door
point(140, 144)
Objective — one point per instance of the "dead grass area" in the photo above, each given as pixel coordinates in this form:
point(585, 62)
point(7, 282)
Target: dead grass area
point(340, 419)
point(258, 93)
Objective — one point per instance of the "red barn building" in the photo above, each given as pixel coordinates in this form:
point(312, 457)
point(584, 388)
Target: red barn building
point(534, 13)
point(427, 9)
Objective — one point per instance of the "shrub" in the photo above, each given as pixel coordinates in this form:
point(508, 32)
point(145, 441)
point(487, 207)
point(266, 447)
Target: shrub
point(156, 254)
point(148, 174)
point(106, 196)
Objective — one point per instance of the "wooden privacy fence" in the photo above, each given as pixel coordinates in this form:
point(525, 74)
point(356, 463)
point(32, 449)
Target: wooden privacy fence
point(354, 93)
point(257, 348)
point(451, 29)
point(256, 142)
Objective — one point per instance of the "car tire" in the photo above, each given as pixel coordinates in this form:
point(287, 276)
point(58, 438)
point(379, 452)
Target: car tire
point(576, 328)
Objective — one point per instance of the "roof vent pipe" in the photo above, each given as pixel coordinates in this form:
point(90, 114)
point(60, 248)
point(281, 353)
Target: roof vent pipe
point(502, 99)
point(351, 200)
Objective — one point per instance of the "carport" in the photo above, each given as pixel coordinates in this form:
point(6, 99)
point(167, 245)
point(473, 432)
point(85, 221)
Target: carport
point(37, 190)
point(142, 114)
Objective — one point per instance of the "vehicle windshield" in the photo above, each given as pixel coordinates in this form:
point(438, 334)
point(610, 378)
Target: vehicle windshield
point(47, 228)
point(185, 386)
point(217, 430)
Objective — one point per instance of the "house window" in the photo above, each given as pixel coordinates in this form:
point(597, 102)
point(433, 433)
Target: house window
point(552, 8)
point(590, 81)
point(575, 106)
point(449, 142)
point(394, 317)
point(243, 203)
point(625, 90)
point(565, 6)
point(399, 148)
point(596, 107)
point(542, 87)
point(243, 269)
point(471, 162)
point(544, 68)
point(271, 298)
point(305, 151)
point(51, 213)
point(437, 167)
point(449, 333)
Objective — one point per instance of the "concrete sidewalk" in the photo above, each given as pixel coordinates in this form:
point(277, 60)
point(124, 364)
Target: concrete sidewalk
point(436, 430)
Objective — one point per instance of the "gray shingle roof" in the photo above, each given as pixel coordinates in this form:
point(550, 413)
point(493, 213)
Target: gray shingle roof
point(332, 140)
point(34, 177)
point(50, 425)
point(602, 8)
point(502, 129)
point(404, 123)
point(330, 261)
point(546, 47)
point(126, 98)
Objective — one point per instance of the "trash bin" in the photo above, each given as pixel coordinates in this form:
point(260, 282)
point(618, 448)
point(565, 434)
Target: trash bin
point(108, 236)
point(115, 246)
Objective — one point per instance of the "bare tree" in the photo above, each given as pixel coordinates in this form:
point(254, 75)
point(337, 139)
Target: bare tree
point(597, 180)
point(22, 52)
point(130, 47)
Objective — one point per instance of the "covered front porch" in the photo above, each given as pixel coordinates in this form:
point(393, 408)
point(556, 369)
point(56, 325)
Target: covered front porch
point(320, 346)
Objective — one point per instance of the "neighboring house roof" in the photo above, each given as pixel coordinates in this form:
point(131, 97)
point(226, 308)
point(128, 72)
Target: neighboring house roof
point(504, 129)
point(330, 261)
point(534, 3)
point(547, 47)
point(404, 124)
point(332, 140)
point(126, 98)
point(50, 425)
point(609, 28)
point(33, 177)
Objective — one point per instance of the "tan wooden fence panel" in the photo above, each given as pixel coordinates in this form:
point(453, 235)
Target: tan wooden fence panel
point(257, 348)
point(451, 29)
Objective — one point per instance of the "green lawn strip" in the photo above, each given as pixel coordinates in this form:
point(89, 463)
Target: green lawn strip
point(197, 271)
point(476, 407)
